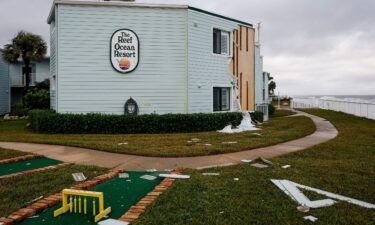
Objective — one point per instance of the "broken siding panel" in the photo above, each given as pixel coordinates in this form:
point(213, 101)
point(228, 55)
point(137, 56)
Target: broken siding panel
point(87, 81)
point(4, 86)
point(205, 68)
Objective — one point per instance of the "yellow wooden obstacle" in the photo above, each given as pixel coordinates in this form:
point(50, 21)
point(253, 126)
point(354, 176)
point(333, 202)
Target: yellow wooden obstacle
point(72, 205)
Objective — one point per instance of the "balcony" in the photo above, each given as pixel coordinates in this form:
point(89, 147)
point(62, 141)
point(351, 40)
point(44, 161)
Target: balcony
point(18, 80)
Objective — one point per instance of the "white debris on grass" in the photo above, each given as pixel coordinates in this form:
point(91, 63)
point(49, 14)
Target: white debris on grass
point(257, 134)
point(214, 166)
point(291, 189)
point(208, 144)
point(236, 179)
point(175, 176)
point(246, 160)
point(303, 208)
point(28, 164)
point(229, 142)
point(151, 170)
point(34, 200)
point(245, 125)
point(259, 165)
point(195, 140)
point(148, 177)
point(78, 177)
point(211, 174)
point(124, 143)
point(123, 175)
point(311, 218)
point(112, 222)
point(266, 161)
point(286, 166)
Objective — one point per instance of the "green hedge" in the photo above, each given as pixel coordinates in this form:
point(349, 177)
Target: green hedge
point(45, 121)
point(257, 116)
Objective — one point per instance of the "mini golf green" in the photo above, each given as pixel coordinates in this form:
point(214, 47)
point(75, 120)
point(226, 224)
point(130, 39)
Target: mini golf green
point(119, 193)
point(24, 165)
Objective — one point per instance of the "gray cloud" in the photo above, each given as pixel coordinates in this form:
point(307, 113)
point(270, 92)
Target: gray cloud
point(310, 47)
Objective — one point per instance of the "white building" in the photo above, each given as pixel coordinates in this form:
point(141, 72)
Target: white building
point(168, 58)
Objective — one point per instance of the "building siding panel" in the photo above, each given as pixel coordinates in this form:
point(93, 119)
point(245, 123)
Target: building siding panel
point(88, 83)
point(205, 69)
point(4, 86)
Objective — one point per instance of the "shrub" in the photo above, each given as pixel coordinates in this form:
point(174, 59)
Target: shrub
point(49, 122)
point(37, 99)
point(271, 109)
point(257, 116)
point(19, 110)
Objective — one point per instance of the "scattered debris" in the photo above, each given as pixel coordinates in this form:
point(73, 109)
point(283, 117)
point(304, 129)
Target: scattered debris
point(175, 176)
point(221, 212)
point(34, 200)
point(112, 222)
point(211, 174)
point(78, 177)
point(31, 217)
point(302, 208)
point(168, 170)
point(310, 218)
point(266, 161)
point(148, 177)
point(257, 134)
point(259, 165)
point(208, 144)
point(214, 166)
point(286, 166)
point(151, 170)
point(291, 189)
point(123, 175)
point(129, 180)
point(245, 125)
point(246, 160)
point(195, 140)
point(236, 179)
point(125, 143)
point(229, 142)
point(28, 164)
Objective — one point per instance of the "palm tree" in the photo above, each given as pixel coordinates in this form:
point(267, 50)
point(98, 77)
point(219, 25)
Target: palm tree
point(271, 85)
point(27, 46)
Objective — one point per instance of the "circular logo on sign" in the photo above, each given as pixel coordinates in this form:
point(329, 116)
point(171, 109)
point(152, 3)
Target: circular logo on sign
point(124, 50)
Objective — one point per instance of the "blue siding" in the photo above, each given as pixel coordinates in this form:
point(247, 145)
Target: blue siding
point(4, 86)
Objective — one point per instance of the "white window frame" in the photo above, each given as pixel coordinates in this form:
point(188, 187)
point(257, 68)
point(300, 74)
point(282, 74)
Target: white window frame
point(230, 98)
point(230, 32)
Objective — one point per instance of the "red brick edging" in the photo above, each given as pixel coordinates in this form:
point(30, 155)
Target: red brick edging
point(35, 170)
point(135, 211)
point(20, 158)
point(54, 199)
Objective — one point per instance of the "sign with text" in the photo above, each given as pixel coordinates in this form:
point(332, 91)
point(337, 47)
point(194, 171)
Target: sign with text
point(124, 51)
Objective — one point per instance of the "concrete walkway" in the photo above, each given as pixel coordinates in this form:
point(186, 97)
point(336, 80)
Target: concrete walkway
point(325, 132)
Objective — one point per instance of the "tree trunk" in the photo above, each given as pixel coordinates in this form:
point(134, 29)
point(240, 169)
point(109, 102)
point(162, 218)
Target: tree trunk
point(27, 76)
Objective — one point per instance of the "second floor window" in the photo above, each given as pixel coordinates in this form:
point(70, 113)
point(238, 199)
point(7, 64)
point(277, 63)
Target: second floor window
point(221, 40)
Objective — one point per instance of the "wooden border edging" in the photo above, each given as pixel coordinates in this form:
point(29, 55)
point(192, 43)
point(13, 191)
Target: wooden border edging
point(20, 158)
point(35, 170)
point(54, 199)
point(135, 211)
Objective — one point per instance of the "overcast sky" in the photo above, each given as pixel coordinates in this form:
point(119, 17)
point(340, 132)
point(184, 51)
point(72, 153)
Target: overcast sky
point(311, 47)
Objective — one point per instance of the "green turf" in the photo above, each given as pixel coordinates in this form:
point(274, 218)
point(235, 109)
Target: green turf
point(119, 194)
point(24, 165)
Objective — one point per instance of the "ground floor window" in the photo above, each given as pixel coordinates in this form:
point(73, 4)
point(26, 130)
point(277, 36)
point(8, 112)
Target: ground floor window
point(221, 99)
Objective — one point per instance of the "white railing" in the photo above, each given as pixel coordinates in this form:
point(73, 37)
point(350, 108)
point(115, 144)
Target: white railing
point(361, 109)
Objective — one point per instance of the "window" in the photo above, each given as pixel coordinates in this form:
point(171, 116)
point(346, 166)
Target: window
point(221, 99)
point(221, 41)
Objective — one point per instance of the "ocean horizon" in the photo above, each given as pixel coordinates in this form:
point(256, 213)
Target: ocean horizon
point(356, 98)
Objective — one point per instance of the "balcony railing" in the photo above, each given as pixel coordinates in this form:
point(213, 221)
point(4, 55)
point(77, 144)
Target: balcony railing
point(20, 80)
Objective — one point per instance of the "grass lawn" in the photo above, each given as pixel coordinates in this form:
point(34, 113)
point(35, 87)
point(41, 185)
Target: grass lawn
point(6, 153)
point(344, 166)
point(275, 131)
point(16, 192)
point(282, 113)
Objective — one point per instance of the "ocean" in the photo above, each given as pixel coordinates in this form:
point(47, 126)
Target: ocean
point(352, 98)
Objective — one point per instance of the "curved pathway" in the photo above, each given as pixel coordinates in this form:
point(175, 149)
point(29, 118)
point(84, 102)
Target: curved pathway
point(325, 131)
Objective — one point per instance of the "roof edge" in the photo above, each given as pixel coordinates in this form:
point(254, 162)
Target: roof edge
point(221, 16)
point(132, 4)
